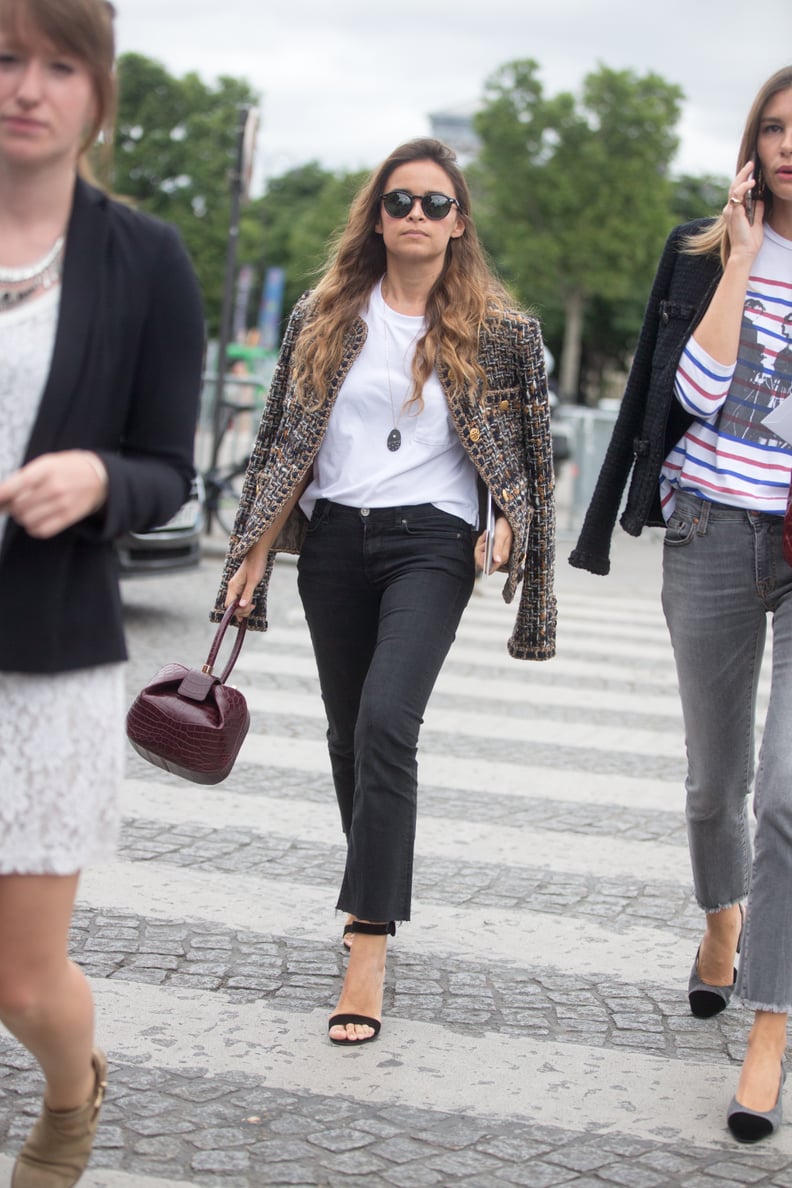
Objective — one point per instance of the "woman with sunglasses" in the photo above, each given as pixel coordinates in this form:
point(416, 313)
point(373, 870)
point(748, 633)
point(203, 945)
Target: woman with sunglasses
point(406, 390)
point(708, 370)
point(101, 345)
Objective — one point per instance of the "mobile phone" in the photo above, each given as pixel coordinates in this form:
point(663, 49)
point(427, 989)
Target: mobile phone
point(748, 200)
point(490, 538)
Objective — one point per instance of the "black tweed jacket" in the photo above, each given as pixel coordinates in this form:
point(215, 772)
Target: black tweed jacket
point(650, 419)
point(506, 434)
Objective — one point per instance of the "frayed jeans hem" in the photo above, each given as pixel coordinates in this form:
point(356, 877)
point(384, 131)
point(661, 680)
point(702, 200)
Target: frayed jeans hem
point(722, 907)
point(748, 1004)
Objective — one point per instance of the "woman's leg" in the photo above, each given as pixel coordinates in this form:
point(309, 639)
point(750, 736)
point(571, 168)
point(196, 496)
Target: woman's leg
point(342, 611)
point(45, 1000)
point(424, 566)
point(410, 572)
point(717, 623)
point(765, 977)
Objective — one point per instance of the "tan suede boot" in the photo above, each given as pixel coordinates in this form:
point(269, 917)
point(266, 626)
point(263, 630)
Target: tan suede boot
point(59, 1145)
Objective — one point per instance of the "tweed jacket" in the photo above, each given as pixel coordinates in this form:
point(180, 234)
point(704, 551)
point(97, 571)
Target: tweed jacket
point(124, 382)
point(651, 420)
point(506, 435)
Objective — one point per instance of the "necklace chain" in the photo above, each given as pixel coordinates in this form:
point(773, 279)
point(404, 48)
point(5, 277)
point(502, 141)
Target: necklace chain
point(394, 438)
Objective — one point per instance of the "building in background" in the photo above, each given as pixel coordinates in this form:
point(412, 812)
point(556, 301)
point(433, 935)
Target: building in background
point(455, 128)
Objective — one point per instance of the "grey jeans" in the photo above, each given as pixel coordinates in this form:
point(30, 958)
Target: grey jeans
point(723, 574)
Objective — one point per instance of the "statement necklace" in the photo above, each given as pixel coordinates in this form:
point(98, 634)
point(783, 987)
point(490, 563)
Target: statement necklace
point(18, 284)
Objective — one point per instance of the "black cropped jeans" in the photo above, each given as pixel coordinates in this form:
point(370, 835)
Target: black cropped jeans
point(383, 591)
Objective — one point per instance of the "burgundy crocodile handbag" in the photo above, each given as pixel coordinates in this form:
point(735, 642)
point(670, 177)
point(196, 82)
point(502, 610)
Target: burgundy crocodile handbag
point(188, 720)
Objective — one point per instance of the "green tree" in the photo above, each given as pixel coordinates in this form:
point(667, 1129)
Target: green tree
point(698, 197)
point(175, 149)
point(292, 225)
point(577, 198)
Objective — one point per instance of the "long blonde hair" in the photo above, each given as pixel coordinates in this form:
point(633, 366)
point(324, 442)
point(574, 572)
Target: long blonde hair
point(460, 300)
point(84, 30)
point(715, 239)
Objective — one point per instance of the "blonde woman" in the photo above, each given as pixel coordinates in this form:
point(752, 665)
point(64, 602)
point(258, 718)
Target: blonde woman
point(101, 338)
point(709, 366)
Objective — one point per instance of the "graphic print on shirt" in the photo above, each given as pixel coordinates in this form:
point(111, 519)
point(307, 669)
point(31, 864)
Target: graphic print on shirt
point(763, 374)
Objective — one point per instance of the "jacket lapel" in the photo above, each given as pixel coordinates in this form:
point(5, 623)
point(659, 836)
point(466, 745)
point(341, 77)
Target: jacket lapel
point(86, 241)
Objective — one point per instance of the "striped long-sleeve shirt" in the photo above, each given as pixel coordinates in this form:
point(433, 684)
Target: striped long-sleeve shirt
point(728, 455)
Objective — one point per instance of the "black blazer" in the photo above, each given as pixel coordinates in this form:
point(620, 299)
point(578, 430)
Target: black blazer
point(650, 420)
point(124, 381)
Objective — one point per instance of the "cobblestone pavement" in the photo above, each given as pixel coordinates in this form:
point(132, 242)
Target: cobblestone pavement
point(536, 1029)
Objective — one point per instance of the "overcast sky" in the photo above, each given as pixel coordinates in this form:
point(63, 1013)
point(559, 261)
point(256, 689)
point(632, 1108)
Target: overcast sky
point(343, 83)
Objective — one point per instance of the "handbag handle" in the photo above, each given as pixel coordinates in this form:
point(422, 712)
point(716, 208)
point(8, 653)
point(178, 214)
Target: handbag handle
point(218, 639)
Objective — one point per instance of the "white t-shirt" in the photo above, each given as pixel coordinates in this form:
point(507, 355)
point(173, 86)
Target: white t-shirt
point(354, 466)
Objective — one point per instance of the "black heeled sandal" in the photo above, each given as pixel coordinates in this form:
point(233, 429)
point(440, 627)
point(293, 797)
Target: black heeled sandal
point(388, 929)
point(705, 999)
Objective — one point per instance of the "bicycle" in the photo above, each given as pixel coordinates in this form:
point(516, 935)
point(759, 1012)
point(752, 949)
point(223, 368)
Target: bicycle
point(223, 482)
point(223, 490)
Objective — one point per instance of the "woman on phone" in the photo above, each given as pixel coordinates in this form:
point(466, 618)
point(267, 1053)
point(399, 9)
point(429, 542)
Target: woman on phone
point(705, 465)
point(101, 342)
point(406, 389)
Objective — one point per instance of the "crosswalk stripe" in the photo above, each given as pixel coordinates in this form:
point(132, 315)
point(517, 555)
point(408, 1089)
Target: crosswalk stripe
point(437, 837)
point(473, 775)
point(575, 731)
point(560, 1084)
point(442, 932)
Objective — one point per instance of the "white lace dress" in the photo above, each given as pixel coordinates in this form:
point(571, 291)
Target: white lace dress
point(61, 735)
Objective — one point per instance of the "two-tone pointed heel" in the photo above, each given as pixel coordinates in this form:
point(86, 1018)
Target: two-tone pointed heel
point(750, 1126)
point(706, 1000)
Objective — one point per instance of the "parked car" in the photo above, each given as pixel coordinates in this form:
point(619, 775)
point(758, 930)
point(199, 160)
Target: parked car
point(172, 547)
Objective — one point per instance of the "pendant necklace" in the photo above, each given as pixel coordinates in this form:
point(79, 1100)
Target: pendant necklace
point(394, 438)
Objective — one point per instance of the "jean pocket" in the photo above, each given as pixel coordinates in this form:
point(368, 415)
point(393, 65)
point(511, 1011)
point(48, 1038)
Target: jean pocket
point(434, 523)
point(319, 516)
point(680, 530)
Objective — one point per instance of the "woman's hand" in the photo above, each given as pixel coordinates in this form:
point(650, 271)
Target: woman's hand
point(744, 237)
point(54, 491)
point(501, 545)
point(242, 584)
point(718, 332)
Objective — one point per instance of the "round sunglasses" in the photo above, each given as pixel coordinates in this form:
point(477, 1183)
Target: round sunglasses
point(399, 203)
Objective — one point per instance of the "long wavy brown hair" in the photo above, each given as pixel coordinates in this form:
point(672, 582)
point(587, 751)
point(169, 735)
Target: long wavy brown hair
point(465, 293)
point(715, 239)
point(82, 29)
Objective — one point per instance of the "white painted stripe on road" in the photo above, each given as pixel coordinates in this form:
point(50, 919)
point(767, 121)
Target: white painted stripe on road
point(536, 689)
point(425, 1066)
point(438, 838)
point(567, 662)
point(484, 775)
point(471, 636)
point(276, 907)
point(544, 731)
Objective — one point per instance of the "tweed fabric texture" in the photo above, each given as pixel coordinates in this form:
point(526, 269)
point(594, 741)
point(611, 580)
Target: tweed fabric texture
point(505, 432)
point(650, 419)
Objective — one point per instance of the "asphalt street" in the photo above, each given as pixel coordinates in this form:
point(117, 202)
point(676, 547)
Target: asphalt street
point(536, 1029)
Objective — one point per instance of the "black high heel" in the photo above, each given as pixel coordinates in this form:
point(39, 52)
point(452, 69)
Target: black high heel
point(707, 1000)
point(388, 929)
